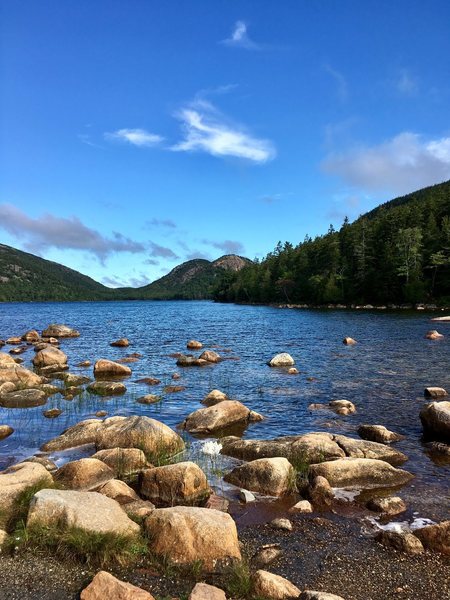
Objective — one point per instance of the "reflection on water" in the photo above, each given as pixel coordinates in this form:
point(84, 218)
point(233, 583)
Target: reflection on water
point(383, 375)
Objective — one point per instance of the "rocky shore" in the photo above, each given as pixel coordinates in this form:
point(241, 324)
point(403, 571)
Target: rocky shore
point(136, 505)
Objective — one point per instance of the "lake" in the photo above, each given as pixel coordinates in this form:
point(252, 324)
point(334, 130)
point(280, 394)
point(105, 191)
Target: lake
point(384, 375)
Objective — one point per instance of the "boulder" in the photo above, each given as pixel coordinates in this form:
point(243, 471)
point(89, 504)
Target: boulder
point(44, 461)
point(210, 356)
point(123, 461)
point(122, 343)
point(320, 493)
point(138, 510)
point(314, 595)
point(5, 431)
point(433, 334)
point(365, 449)
point(60, 331)
point(6, 360)
point(194, 345)
point(19, 376)
point(273, 587)
point(185, 534)
point(83, 474)
point(52, 413)
point(119, 491)
point(149, 399)
point(342, 407)
point(31, 336)
point(191, 361)
point(203, 591)
point(18, 350)
point(53, 371)
point(84, 432)
point(435, 392)
point(107, 368)
point(105, 585)
point(218, 503)
point(170, 485)
point(359, 473)
point(281, 360)
point(402, 541)
point(246, 497)
point(219, 416)
point(214, 397)
point(89, 511)
point(16, 480)
point(435, 537)
point(392, 505)
point(23, 398)
point(71, 379)
point(269, 476)
point(379, 434)
point(106, 388)
point(348, 341)
point(49, 356)
point(435, 419)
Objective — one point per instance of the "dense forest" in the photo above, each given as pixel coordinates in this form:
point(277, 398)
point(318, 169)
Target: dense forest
point(397, 253)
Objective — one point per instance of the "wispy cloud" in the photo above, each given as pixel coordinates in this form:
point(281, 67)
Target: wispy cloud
point(152, 262)
point(270, 198)
point(161, 251)
point(406, 83)
point(239, 38)
point(197, 254)
point(341, 82)
point(208, 130)
point(227, 246)
point(161, 223)
point(402, 164)
point(136, 137)
point(48, 231)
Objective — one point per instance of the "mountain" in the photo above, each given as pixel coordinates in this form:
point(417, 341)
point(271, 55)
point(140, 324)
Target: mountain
point(398, 252)
point(25, 277)
point(192, 280)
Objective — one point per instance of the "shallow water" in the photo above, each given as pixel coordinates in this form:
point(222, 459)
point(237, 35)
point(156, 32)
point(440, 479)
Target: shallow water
point(384, 374)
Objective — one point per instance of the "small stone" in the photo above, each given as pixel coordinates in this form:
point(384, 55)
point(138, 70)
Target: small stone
point(122, 343)
point(203, 591)
point(217, 503)
point(84, 363)
point(149, 380)
point(101, 413)
point(267, 555)
point(246, 496)
point(194, 345)
point(176, 376)
point(433, 335)
point(106, 388)
point(293, 371)
point(52, 413)
point(5, 431)
point(314, 595)
point(302, 507)
point(348, 341)
point(435, 392)
point(149, 399)
point(210, 356)
point(281, 523)
point(173, 389)
point(401, 541)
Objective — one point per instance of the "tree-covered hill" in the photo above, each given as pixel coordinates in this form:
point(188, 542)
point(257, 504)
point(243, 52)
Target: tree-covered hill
point(398, 252)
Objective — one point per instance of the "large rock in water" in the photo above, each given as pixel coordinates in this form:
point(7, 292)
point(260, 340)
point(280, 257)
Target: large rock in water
point(378, 433)
point(360, 473)
point(89, 511)
point(170, 485)
point(106, 368)
point(16, 480)
point(309, 448)
point(60, 331)
point(270, 476)
point(19, 376)
point(435, 419)
point(281, 360)
point(186, 535)
point(84, 432)
point(104, 585)
point(23, 398)
point(49, 356)
point(219, 416)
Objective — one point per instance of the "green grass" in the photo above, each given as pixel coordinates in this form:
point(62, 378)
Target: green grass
point(238, 580)
point(8, 520)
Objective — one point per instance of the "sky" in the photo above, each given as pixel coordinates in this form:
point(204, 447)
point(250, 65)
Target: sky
point(137, 134)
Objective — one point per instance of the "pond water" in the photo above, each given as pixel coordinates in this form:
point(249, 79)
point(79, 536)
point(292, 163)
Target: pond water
point(384, 375)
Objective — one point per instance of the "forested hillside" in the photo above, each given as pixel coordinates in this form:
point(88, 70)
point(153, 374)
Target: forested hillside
point(398, 252)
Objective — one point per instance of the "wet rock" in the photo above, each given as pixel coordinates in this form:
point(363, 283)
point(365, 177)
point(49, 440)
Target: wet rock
point(10, 372)
point(320, 493)
point(14, 340)
point(435, 392)
point(5, 431)
point(342, 407)
point(401, 541)
point(203, 591)
point(49, 356)
point(52, 413)
point(273, 587)
point(173, 389)
point(214, 397)
point(191, 361)
point(119, 491)
point(149, 380)
point(31, 336)
point(246, 497)
point(393, 505)
point(293, 371)
point(23, 398)
point(18, 350)
point(348, 341)
point(281, 360)
point(182, 483)
point(378, 433)
point(435, 537)
point(194, 345)
point(267, 555)
point(438, 448)
point(84, 363)
point(16, 480)
point(364, 473)
point(283, 524)
point(50, 390)
point(89, 511)
point(302, 507)
point(106, 368)
point(149, 399)
point(210, 356)
point(176, 376)
point(106, 388)
point(433, 334)
point(60, 331)
point(84, 432)
point(83, 474)
point(123, 461)
point(185, 534)
point(314, 595)
point(54, 371)
point(122, 343)
point(255, 417)
point(71, 379)
point(101, 413)
point(269, 476)
point(105, 585)
point(219, 416)
point(435, 419)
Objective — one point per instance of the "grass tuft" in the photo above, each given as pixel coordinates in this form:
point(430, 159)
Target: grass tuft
point(238, 580)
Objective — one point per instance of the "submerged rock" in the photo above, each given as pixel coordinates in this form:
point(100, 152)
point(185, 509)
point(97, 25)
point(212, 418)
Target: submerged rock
point(210, 356)
point(191, 361)
point(194, 345)
point(122, 343)
point(60, 331)
point(104, 368)
point(23, 398)
point(106, 388)
point(269, 476)
point(216, 417)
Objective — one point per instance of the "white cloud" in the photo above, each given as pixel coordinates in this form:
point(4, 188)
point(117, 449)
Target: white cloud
point(136, 137)
point(240, 39)
point(206, 130)
point(402, 164)
point(227, 246)
point(341, 82)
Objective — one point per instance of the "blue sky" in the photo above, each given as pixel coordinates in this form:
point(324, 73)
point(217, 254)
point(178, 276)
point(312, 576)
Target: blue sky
point(137, 134)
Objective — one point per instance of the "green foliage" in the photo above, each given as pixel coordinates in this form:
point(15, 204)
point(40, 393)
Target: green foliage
point(398, 252)
point(238, 580)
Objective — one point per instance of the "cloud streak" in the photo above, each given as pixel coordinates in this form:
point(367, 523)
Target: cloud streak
point(341, 82)
point(239, 38)
point(207, 130)
point(161, 223)
point(161, 251)
point(135, 137)
point(405, 163)
point(48, 231)
point(227, 246)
